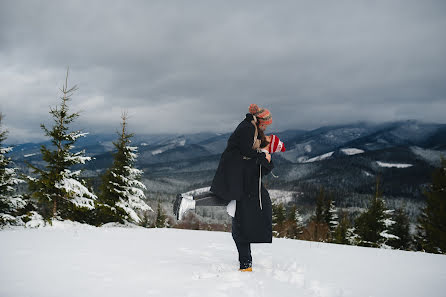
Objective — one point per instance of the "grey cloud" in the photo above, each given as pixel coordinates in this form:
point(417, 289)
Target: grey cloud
point(182, 66)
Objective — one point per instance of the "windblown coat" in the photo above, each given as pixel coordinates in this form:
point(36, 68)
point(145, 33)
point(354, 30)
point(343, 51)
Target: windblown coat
point(238, 177)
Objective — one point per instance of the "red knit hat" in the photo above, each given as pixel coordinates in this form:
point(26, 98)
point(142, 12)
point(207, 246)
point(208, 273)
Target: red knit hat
point(262, 114)
point(276, 145)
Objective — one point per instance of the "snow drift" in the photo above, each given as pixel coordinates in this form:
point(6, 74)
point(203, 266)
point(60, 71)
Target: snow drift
point(72, 259)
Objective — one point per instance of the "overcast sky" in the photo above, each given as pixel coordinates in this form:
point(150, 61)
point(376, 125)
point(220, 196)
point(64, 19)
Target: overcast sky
point(193, 66)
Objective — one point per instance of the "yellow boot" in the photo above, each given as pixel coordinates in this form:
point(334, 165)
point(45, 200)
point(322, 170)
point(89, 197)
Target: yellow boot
point(246, 269)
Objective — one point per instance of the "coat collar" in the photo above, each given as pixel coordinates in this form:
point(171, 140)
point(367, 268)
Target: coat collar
point(250, 117)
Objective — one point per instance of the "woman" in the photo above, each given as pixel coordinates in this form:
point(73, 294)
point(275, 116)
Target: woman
point(238, 177)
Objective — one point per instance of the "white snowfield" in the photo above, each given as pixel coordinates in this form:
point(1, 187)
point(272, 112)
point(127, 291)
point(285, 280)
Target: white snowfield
point(352, 151)
point(71, 259)
point(319, 158)
point(397, 165)
point(280, 196)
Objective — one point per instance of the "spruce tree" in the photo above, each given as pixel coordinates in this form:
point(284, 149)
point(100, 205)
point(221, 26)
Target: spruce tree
point(341, 233)
point(331, 217)
point(161, 218)
point(121, 191)
point(294, 223)
point(320, 216)
point(318, 228)
point(278, 219)
point(10, 201)
point(431, 228)
point(401, 228)
point(59, 191)
point(372, 226)
point(352, 236)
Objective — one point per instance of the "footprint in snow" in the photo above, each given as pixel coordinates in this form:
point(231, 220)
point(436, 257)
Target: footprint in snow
point(290, 273)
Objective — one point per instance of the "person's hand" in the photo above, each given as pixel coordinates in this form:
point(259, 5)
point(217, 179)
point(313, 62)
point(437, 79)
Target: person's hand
point(268, 157)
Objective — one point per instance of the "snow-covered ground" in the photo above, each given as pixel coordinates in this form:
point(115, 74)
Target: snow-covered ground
point(79, 260)
point(431, 156)
point(319, 158)
point(173, 144)
point(280, 196)
point(396, 165)
point(352, 151)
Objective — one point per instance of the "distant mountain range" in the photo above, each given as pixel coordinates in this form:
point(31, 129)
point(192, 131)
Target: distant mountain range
point(343, 158)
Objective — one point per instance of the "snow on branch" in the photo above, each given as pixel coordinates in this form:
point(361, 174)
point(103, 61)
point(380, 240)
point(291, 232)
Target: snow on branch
point(77, 191)
point(75, 135)
point(5, 150)
point(77, 158)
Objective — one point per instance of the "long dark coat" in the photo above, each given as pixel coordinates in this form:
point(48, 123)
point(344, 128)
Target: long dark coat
point(237, 178)
point(253, 223)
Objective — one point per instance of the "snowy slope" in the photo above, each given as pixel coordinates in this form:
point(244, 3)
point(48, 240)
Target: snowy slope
point(319, 158)
point(79, 260)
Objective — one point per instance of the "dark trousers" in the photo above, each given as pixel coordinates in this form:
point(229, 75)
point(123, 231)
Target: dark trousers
point(244, 248)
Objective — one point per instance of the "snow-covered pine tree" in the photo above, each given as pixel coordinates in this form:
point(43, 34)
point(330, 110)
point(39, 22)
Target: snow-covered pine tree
point(431, 228)
point(351, 236)
point(59, 190)
point(401, 228)
point(121, 191)
point(10, 201)
point(331, 217)
point(372, 226)
point(386, 234)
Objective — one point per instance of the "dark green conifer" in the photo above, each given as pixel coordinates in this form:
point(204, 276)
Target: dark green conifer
point(401, 228)
point(161, 218)
point(278, 219)
point(342, 231)
point(331, 217)
point(121, 191)
point(431, 228)
point(58, 190)
point(372, 225)
point(318, 227)
point(320, 215)
point(294, 223)
point(10, 201)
